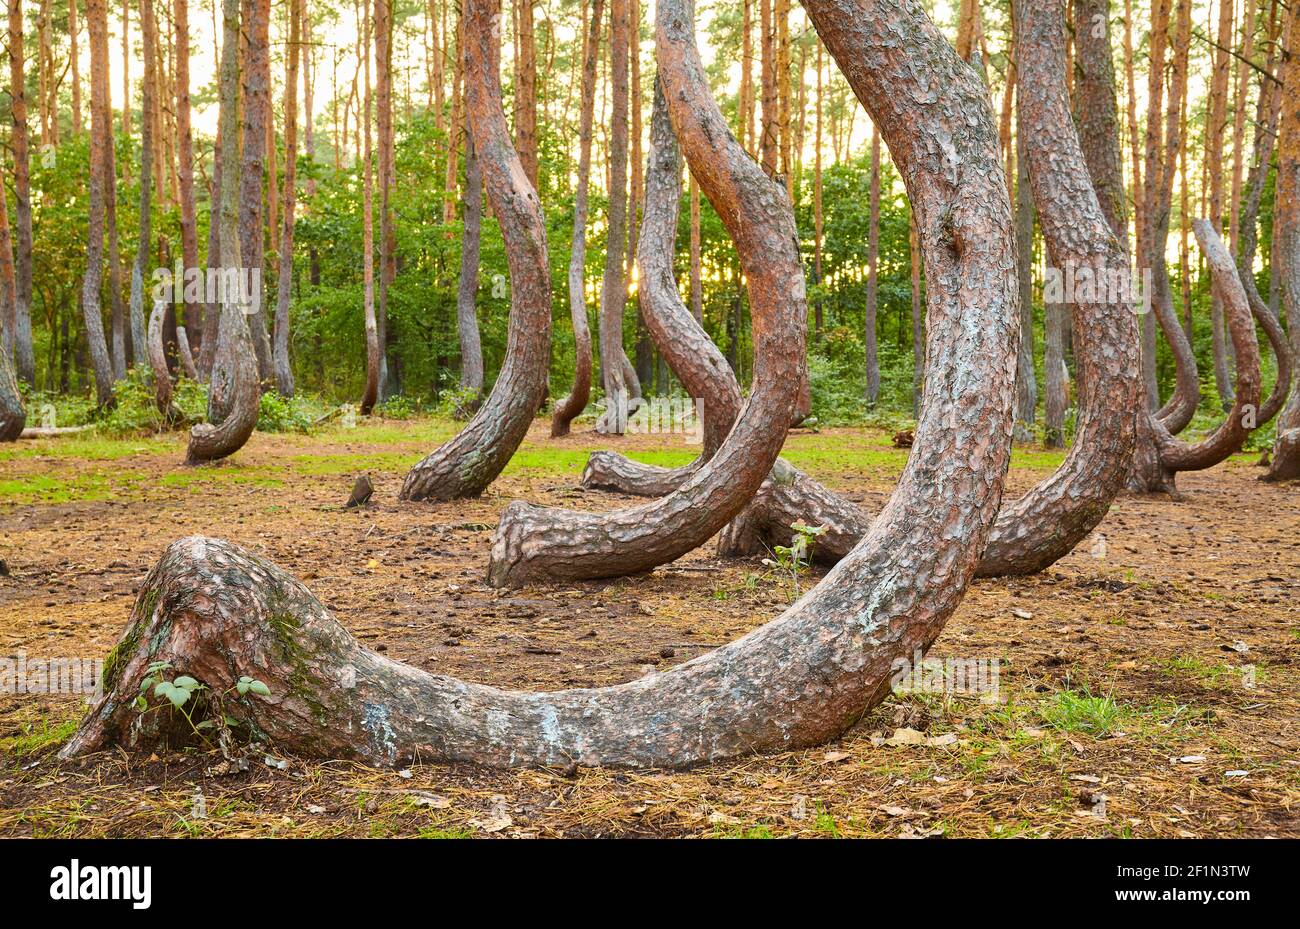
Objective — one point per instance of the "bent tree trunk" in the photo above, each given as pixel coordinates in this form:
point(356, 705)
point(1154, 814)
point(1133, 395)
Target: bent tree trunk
point(12, 414)
point(465, 465)
point(234, 391)
point(1047, 522)
point(539, 543)
point(216, 613)
point(683, 343)
point(162, 381)
point(1160, 456)
point(569, 408)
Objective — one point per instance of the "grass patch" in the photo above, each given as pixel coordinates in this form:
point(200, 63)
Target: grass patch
point(1079, 711)
point(36, 738)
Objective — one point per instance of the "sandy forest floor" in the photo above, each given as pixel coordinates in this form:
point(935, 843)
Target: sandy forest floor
point(1149, 686)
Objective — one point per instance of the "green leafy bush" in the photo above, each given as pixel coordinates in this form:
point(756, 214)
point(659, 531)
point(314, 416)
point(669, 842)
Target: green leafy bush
point(276, 414)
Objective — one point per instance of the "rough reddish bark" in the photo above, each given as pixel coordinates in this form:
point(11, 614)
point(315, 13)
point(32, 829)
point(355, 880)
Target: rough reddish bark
point(284, 279)
point(570, 407)
point(1046, 523)
point(255, 70)
point(614, 366)
point(681, 340)
point(100, 137)
point(216, 613)
point(1267, 113)
point(471, 345)
point(233, 389)
point(1231, 434)
point(13, 416)
point(185, 170)
point(1286, 449)
point(1179, 409)
point(538, 543)
point(465, 465)
point(1159, 456)
point(24, 359)
point(141, 347)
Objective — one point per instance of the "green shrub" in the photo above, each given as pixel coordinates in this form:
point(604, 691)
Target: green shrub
point(276, 414)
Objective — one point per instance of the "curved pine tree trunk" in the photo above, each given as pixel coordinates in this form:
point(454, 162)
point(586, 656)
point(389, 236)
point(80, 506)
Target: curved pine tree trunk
point(1046, 523)
point(535, 543)
point(681, 340)
point(216, 612)
point(465, 465)
point(233, 389)
point(571, 406)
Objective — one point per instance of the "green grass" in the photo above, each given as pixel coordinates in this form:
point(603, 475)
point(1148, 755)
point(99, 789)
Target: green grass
point(333, 450)
point(36, 738)
point(1074, 711)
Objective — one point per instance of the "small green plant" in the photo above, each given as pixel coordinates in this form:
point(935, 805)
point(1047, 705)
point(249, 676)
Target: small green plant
point(178, 693)
point(795, 557)
point(1080, 711)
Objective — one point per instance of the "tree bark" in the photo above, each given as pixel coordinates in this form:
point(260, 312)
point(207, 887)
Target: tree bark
point(526, 92)
point(1046, 523)
point(873, 276)
point(1181, 406)
point(256, 102)
point(471, 348)
point(569, 408)
point(141, 346)
point(24, 358)
point(162, 380)
point(374, 386)
point(233, 389)
point(1286, 449)
point(383, 40)
point(1026, 376)
point(283, 368)
point(680, 338)
point(613, 295)
point(74, 56)
point(1056, 376)
point(13, 416)
point(100, 138)
point(464, 466)
point(194, 310)
point(209, 608)
point(535, 543)
point(1217, 119)
point(918, 320)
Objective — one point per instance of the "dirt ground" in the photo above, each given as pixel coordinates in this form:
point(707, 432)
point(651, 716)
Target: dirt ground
point(1148, 684)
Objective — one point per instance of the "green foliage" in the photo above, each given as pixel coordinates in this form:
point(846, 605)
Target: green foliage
point(134, 410)
point(276, 414)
